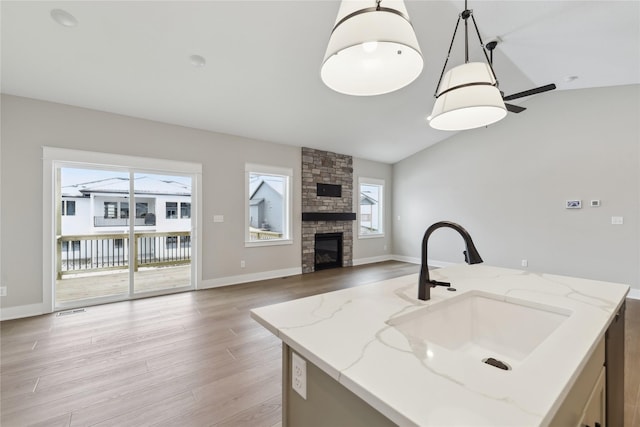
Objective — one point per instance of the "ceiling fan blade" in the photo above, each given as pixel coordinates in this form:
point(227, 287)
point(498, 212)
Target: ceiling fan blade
point(514, 108)
point(530, 92)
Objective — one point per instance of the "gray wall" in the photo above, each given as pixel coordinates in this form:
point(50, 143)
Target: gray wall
point(507, 184)
point(27, 125)
point(376, 247)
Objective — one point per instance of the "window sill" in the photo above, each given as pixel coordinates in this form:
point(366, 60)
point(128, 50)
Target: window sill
point(259, 243)
point(370, 236)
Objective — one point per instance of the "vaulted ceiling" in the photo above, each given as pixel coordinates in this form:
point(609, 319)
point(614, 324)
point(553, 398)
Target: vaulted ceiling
point(262, 74)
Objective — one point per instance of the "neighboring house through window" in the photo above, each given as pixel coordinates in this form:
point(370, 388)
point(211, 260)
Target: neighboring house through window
point(75, 246)
point(172, 210)
point(110, 209)
point(124, 209)
point(68, 207)
point(371, 207)
point(171, 242)
point(142, 209)
point(185, 210)
point(268, 205)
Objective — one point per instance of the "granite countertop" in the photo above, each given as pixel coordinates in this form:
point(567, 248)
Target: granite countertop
point(346, 334)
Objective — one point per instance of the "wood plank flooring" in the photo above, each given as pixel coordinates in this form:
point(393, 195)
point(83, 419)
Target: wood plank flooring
point(188, 359)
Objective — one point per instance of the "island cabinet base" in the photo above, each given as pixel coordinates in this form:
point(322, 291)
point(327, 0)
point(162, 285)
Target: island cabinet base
point(585, 405)
point(328, 403)
point(597, 397)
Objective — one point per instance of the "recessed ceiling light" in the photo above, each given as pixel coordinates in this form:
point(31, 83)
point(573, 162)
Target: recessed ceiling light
point(197, 61)
point(64, 18)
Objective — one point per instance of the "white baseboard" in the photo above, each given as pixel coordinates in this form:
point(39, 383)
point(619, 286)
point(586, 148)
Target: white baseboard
point(402, 258)
point(251, 277)
point(371, 260)
point(634, 293)
point(17, 312)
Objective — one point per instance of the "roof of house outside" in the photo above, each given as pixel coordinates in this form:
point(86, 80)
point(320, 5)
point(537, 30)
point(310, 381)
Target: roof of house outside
point(142, 185)
point(276, 183)
point(366, 198)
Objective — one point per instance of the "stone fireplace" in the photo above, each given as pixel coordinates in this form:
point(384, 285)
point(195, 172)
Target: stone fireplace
point(327, 204)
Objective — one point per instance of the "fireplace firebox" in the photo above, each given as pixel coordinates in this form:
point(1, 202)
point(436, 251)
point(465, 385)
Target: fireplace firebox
point(328, 251)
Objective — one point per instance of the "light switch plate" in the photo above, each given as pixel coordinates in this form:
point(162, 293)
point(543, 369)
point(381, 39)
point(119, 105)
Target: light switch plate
point(617, 220)
point(218, 218)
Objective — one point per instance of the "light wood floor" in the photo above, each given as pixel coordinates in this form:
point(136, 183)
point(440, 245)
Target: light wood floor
point(189, 359)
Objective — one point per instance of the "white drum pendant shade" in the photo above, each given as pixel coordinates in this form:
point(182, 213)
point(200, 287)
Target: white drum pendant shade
point(476, 101)
point(372, 52)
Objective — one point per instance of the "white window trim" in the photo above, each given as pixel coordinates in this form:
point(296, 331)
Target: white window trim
point(372, 181)
point(268, 170)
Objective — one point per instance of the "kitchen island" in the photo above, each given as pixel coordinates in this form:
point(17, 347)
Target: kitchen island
point(373, 355)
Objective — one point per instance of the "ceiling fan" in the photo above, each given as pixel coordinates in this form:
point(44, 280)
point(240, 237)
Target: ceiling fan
point(510, 107)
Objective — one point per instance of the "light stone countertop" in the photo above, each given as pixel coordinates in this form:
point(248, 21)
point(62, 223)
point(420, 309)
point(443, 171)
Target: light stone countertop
point(346, 334)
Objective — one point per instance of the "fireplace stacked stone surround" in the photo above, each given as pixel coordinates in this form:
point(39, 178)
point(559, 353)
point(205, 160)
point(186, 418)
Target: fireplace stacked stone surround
point(326, 168)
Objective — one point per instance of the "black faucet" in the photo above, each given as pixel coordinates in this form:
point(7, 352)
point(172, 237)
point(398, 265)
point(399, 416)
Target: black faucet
point(471, 256)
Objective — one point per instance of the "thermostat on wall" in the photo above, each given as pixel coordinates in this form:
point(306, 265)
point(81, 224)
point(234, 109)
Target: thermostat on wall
point(595, 203)
point(574, 204)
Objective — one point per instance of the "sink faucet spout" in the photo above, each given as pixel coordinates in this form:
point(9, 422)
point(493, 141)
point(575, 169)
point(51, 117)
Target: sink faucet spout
point(471, 256)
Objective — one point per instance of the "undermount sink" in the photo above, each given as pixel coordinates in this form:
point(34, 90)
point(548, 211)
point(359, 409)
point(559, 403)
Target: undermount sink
point(483, 325)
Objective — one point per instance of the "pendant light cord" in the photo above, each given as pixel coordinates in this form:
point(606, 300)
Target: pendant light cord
point(465, 15)
point(485, 50)
point(444, 67)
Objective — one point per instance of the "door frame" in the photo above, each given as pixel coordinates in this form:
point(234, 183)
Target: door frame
point(54, 158)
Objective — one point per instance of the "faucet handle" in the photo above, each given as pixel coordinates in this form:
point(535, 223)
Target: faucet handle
point(435, 283)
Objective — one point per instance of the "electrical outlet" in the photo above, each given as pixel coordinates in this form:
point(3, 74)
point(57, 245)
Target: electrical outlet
point(3, 291)
point(242, 264)
point(299, 375)
point(524, 263)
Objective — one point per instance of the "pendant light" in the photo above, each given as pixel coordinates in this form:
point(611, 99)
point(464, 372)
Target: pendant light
point(372, 49)
point(467, 96)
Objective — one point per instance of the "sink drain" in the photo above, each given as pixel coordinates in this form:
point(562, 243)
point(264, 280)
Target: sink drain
point(496, 363)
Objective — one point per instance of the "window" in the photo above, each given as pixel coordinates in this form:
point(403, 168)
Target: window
point(172, 210)
point(268, 205)
point(142, 209)
point(185, 210)
point(118, 243)
point(370, 211)
point(124, 209)
point(185, 241)
point(68, 207)
point(171, 242)
point(110, 209)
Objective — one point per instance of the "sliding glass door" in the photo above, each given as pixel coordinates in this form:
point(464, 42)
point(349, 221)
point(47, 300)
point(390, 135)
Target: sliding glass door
point(120, 233)
point(162, 230)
